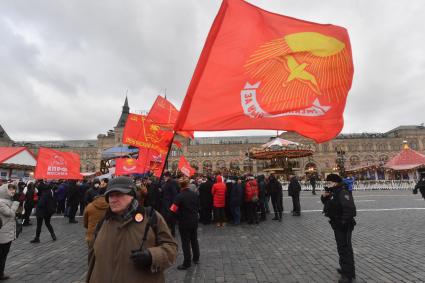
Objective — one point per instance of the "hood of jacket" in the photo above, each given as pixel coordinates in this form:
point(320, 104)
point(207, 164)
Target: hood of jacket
point(100, 203)
point(219, 179)
point(4, 194)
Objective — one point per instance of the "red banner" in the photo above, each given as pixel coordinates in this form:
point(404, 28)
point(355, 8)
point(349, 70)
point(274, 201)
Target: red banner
point(144, 133)
point(185, 168)
point(165, 114)
point(53, 164)
point(152, 160)
point(128, 166)
point(261, 70)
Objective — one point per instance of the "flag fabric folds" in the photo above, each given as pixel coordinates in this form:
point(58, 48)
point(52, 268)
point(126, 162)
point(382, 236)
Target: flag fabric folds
point(164, 113)
point(128, 166)
point(142, 132)
point(53, 165)
point(261, 70)
point(152, 160)
point(185, 167)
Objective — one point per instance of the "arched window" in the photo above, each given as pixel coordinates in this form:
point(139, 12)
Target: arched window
point(354, 160)
point(221, 164)
point(234, 164)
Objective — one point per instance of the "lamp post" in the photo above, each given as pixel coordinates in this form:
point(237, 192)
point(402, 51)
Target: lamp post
point(340, 160)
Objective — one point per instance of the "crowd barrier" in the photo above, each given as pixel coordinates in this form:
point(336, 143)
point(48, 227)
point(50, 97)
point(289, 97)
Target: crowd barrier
point(362, 185)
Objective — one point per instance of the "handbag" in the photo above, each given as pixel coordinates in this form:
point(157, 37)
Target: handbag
point(18, 226)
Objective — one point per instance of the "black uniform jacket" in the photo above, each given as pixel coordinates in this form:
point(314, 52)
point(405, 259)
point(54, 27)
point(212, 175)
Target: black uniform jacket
point(339, 207)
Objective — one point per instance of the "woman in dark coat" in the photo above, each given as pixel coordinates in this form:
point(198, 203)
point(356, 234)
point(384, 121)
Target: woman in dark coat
point(45, 208)
point(29, 203)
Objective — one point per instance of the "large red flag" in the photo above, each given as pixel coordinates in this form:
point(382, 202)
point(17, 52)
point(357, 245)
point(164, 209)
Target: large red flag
point(53, 164)
point(144, 133)
point(185, 167)
point(164, 113)
point(260, 70)
point(127, 166)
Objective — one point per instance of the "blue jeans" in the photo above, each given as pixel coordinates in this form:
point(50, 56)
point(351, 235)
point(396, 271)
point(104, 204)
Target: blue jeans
point(236, 213)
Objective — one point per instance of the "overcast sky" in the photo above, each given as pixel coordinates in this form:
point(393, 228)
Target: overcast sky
point(65, 65)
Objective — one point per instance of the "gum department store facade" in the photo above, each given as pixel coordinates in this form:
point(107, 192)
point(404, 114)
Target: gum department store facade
point(213, 153)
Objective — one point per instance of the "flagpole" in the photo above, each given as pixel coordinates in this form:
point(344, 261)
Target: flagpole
point(166, 158)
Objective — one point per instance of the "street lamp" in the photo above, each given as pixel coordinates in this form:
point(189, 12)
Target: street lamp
point(340, 160)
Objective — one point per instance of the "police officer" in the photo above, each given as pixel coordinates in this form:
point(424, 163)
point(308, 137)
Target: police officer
point(339, 207)
point(186, 208)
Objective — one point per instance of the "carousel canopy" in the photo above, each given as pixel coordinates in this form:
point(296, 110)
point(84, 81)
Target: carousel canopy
point(118, 151)
point(407, 159)
point(278, 148)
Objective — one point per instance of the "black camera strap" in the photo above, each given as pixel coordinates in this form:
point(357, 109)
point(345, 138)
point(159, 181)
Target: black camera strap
point(150, 212)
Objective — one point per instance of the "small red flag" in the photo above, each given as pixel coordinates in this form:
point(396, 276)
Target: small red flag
point(164, 113)
point(185, 167)
point(128, 166)
point(177, 143)
point(261, 70)
point(144, 133)
point(152, 160)
point(53, 164)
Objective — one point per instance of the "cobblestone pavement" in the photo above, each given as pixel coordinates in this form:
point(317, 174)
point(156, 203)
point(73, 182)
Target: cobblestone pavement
point(388, 244)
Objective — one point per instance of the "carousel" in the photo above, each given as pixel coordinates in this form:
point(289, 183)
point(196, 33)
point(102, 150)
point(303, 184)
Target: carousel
point(281, 154)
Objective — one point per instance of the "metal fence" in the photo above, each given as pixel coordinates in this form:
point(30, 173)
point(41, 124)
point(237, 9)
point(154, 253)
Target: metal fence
point(363, 185)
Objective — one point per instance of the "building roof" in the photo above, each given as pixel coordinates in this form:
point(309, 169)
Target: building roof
point(17, 155)
point(3, 135)
point(407, 159)
point(124, 114)
point(58, 144)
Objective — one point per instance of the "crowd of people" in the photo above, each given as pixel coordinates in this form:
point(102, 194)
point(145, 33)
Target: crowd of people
point(123, 201)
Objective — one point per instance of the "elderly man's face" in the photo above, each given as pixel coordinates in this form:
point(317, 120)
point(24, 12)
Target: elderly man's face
point(119, 202)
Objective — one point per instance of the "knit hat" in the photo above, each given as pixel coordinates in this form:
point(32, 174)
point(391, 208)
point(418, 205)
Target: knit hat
point(334, 178)
point(123, 185)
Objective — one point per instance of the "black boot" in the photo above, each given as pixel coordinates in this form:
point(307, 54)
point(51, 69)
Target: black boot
point(54, 237)
point(280, 216)
point(35, 241)
point(276, 216)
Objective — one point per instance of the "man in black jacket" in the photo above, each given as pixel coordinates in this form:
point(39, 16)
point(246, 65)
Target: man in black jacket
point(186, 207)
point(206, 201)
point(294, 189)
point(339, 207)
point(275, 188)
point(170, 189)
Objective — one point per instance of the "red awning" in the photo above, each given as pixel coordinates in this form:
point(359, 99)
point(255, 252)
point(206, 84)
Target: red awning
point(407, 159)
point(8, 152)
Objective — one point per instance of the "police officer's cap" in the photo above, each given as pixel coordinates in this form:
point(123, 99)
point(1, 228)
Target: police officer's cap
point(334, 178)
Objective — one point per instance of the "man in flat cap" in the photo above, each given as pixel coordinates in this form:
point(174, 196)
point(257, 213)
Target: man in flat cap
point(132, 243)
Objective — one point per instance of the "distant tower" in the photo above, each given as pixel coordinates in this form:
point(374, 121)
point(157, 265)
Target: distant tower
point(124, 114)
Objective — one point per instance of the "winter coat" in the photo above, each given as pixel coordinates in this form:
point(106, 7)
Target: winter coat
point(251, 190)
point(294, 187)
point(236, 195)
point(73, 195)
point(170, 189)
point(110, 260)
point(339, 207)
point(60, 193)
point(219, 193)
point(261, 189)
point(186, 208)
point(205, 195)
point(154, 196)
point(93, 213)
point(275, 188)
point(46, 203)
point(7, 214)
